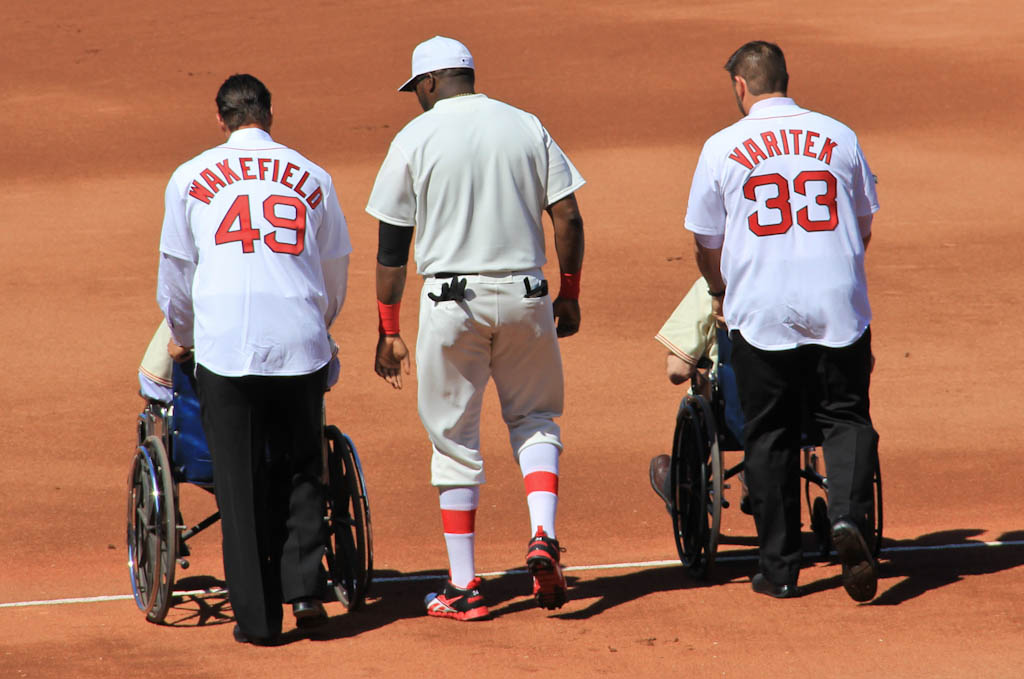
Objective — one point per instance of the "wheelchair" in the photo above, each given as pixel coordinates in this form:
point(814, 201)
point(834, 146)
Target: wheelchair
point(172, 450)
point(706, 427)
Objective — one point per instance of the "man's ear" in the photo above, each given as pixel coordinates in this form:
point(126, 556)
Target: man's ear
point(739, 84)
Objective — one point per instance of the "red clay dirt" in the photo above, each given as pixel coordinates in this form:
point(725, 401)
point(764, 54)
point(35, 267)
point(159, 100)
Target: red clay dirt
point(103, 100)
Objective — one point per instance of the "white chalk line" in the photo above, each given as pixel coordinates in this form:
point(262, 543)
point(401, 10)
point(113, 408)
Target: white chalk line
point(721, 557)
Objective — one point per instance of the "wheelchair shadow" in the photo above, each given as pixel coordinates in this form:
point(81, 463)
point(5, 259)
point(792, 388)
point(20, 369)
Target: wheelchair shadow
point(399, 596)
point(939, 559)
point(210, 607)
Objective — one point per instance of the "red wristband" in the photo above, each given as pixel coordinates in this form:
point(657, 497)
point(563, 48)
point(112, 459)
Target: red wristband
point(388, 315)
point(570, 285)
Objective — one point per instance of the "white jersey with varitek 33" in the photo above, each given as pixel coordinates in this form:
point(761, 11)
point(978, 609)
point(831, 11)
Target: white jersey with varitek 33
point(780, 191)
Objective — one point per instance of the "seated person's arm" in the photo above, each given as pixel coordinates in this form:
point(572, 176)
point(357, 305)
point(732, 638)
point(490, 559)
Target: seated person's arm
point(155, 380)
point(686, 333)
point(678, 369)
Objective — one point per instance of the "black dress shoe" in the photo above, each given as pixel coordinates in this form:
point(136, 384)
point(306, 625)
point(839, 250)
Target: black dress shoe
point(309, 613)
point(860, 573)
point(242, 638)
point(660, 481)
point(763, 585)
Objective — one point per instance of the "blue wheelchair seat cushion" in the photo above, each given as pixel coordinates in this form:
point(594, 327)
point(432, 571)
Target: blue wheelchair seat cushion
point(730, 393)
point(190, 455)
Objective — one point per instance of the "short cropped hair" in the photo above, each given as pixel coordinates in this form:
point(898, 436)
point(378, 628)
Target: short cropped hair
point(466, 73)
point(762, 65)
point(244, 100)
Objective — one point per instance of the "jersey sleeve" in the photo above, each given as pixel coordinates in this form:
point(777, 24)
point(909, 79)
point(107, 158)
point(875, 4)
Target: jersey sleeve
point(393, 198)
point(332, 238)
point(177, 266)
point(175, 236)
point(685, 332)
point(335, 245)
point(705, 209)
point(563, 177)
point(174, 296)
point(865, 197)
point(336, 284)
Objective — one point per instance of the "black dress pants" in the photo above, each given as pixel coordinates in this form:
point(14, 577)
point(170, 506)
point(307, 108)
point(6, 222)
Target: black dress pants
point(265, 437)
point(781, 392)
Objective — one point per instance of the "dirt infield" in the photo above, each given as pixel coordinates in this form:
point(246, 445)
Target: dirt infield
point(103, 100)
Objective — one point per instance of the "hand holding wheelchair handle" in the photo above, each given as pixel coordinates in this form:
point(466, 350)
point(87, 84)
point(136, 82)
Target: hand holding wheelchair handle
point(716, 309)
point(700, 382)
point(178, 353)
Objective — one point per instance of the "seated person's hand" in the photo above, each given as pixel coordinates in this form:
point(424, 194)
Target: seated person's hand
point(678, 370)
point(178, 353)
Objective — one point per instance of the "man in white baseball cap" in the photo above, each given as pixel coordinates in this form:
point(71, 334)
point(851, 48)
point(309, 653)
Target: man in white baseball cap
point(471, 178)
point(434, 55)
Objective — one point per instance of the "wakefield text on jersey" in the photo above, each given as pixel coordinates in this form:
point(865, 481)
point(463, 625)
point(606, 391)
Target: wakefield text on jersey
point(788, 142)
point(261, 169)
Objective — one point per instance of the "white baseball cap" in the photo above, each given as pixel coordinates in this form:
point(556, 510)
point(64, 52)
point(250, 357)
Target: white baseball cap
point(436, 54)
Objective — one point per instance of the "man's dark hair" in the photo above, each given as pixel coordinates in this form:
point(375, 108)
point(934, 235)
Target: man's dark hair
point(244, 100)
point(465, 73)
point(762, 65)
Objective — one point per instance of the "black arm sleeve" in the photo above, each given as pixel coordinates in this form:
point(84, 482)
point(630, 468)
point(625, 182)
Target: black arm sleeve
point(393, 244)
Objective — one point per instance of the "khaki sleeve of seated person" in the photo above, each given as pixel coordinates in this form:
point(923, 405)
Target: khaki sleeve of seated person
point(156, 363)
point(690, 331)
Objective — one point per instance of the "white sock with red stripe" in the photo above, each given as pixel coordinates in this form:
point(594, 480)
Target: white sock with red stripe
point(458, 516)
point(539, 464)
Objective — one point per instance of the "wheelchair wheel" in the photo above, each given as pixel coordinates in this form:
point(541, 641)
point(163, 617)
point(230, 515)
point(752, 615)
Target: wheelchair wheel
point(696, 474)
point(350, 550)
point(152, 534)
point(716, 483)
point(815, 486)
point(821, 526)
point(875, 540)
point(817, 504)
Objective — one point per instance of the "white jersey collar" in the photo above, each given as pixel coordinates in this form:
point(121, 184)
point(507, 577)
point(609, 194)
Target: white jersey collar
point(458, 99)
point(249, 136)
point(760, 106)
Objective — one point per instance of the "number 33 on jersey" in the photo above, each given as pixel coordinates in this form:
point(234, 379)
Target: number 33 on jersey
point(778, 167)
point(781, 191)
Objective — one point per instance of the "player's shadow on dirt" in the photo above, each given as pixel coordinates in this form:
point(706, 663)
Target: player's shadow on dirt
point(591, 597)
point(940, 559)
point(402, 596)
point(393, 596)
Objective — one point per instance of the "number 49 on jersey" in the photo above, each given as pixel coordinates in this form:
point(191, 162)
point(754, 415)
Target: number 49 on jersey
point(240, 213)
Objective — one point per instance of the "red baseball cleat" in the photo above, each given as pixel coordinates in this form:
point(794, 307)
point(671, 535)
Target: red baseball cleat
point(543, 559)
